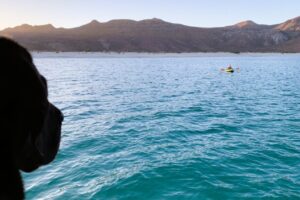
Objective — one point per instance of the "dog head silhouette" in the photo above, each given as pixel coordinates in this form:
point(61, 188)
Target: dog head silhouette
point(30, 125)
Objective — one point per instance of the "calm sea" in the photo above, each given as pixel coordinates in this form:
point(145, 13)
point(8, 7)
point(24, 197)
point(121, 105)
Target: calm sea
point(173, 127)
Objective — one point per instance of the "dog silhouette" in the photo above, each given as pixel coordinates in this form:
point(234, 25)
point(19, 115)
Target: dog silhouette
point(30, 126)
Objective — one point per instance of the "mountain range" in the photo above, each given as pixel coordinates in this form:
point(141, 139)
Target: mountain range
point(156, 35)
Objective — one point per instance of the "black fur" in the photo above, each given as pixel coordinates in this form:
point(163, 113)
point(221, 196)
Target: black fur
point(30, 126)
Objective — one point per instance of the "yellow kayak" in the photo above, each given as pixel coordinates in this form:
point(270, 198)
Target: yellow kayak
point(229, 70)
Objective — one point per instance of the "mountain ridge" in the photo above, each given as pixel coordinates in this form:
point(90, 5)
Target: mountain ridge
point(157, 35)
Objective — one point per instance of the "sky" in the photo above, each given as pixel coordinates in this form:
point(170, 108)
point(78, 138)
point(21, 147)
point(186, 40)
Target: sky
point(200, 13)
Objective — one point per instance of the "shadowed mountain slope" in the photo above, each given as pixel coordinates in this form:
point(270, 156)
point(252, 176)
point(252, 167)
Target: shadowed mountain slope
point(155, 35)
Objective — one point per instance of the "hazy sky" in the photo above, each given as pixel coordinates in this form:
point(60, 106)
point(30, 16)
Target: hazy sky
point(203, 13)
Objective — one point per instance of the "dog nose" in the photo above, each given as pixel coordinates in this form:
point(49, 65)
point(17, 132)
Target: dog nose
point(58, 113)
point(62, 117)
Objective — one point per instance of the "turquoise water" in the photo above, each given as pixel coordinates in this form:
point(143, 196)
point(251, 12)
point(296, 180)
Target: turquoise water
point(173, 128)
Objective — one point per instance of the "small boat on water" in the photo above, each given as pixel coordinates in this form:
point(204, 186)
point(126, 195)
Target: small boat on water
point(229, 70)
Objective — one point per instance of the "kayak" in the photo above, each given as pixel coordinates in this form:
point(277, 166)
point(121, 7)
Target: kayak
point(229, 70)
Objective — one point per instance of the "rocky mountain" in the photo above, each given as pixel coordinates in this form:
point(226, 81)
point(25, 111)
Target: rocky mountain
point(290, 25)
point(155, 35)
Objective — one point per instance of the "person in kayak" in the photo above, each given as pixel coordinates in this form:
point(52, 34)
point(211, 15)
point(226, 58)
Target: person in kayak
point(229, 68)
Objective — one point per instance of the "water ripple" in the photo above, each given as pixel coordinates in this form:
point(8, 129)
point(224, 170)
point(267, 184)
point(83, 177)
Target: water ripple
point(173, 128)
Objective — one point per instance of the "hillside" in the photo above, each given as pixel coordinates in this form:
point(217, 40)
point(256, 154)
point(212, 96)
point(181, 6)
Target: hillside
point(155, 35)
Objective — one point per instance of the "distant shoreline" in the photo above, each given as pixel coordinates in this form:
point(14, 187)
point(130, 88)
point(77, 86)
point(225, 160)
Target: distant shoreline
point(146, 55)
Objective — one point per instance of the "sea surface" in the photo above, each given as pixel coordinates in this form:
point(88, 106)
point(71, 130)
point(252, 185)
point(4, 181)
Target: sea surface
point(147, 127)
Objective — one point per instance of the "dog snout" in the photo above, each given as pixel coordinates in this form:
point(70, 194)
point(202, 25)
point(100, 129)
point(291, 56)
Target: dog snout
point(59, 115)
